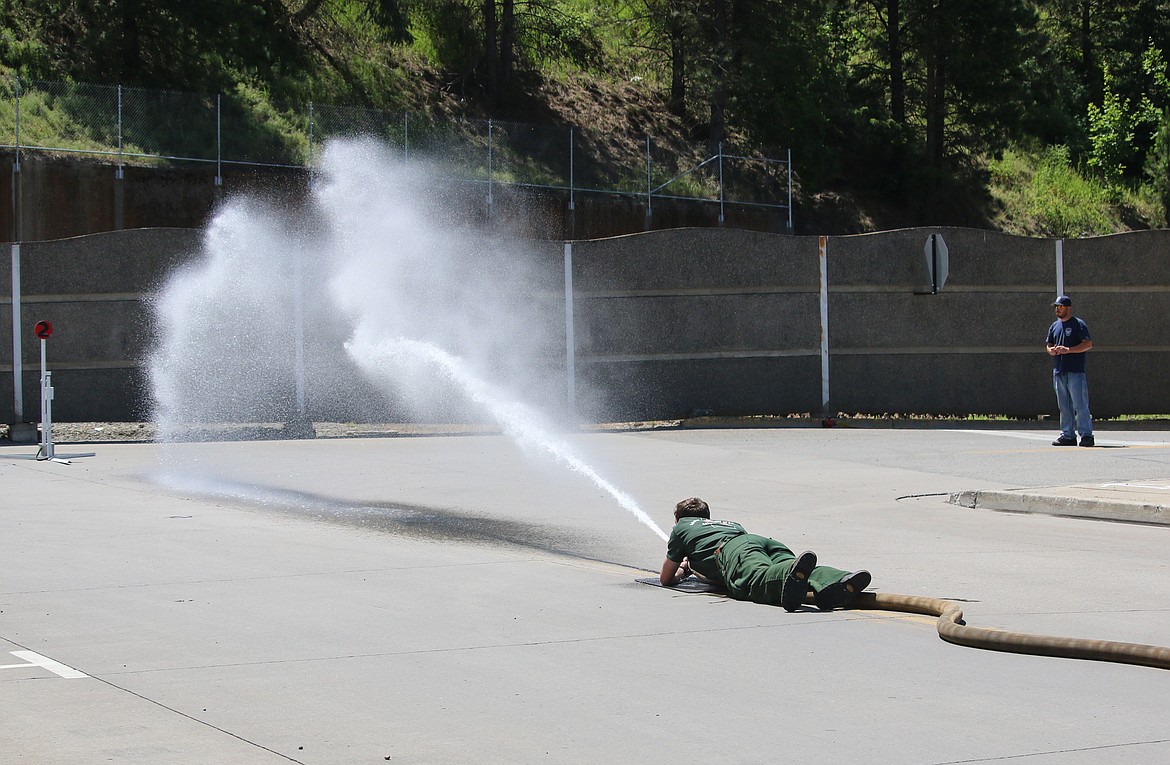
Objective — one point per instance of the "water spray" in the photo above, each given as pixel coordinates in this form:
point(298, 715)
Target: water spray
point(440, 316)
point(520, 422)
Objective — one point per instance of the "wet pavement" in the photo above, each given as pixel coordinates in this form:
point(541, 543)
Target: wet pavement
point(452, 598)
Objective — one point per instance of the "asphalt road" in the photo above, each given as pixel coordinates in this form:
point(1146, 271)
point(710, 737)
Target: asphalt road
point(453, 599)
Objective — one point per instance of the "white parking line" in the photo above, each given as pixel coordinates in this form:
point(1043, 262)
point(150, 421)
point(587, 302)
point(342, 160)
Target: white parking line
point(36, 660)
point(1137, 486)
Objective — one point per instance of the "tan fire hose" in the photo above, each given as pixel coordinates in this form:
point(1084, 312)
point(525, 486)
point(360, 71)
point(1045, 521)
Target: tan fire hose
point(952, 629)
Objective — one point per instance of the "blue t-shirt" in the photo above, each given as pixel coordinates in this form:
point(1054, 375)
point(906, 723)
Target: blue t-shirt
point(1069, 333)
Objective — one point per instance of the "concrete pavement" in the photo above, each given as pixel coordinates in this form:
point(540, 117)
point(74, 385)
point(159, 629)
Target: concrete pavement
point(1135, 501)
point(453, 599)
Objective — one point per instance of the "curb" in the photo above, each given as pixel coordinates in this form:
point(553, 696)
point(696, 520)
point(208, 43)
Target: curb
point(1067, 506)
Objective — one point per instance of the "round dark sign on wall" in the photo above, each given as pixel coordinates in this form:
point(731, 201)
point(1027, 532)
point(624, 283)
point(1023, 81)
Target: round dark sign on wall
point(43, 330)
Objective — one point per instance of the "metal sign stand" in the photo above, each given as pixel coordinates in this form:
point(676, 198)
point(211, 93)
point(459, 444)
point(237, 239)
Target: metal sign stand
point(46, 452)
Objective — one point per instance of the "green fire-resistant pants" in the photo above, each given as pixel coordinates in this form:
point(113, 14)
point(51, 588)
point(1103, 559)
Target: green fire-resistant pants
point(754, 568)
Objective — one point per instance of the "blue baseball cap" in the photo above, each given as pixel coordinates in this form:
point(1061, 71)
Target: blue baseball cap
point(1063, 300)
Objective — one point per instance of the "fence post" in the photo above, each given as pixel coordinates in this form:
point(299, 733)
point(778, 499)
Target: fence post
point(571, 201)
point(405, 137)
point(570, 340)
point(721, 181)
point(1059, 266)
point(649, 193)
point(299, 332)
point(119, 174)
point(489, 196)
point(309, 165)
point(17, 347)
point(790, 191)
point(16, 81)
point(824, 251)
point(218, 145)
point(16, 185)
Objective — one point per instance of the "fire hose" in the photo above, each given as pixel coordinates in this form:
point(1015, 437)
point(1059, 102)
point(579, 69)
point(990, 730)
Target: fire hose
point(952, 629)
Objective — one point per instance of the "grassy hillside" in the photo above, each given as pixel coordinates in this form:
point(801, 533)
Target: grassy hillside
point(597, 66)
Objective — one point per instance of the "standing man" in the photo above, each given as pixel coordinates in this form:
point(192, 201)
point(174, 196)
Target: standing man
point(1068, 340)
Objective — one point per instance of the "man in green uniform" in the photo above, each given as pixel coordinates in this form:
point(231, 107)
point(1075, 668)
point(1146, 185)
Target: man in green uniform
point(749, 566)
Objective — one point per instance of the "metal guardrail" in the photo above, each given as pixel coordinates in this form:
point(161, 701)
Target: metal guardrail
point(128, 124)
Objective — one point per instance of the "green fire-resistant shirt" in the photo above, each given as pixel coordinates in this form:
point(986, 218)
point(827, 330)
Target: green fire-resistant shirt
point(697, 539)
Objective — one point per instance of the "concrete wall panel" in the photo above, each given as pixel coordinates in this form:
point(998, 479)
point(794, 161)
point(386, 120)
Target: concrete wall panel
point(967, 383)
point(698, 324)
point(672, 323)
point(1124, 320)
point(961, 321)
point(709, 260)
point(84, 394)
point(100, 332)
point(986, 260)
point(652, 390)
point(118, 262)
point(1128, 382)
point(890, 259)
point(982, 259)
point(1137, 259)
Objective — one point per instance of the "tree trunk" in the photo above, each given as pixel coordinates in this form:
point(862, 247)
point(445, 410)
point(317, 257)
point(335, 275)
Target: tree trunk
point(507, 44)
point(131, 44)
point(490, 55)
point(719, 88)
point(897, 64)
point(1090, 77)
point(939, 126)
point(678, 61)
point(936, 110)
point(308, 11)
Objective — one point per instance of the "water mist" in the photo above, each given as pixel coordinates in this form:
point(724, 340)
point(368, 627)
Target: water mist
point(373, 304)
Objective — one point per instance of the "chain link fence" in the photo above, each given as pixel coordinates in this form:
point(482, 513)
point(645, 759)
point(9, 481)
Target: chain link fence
point(139, 125)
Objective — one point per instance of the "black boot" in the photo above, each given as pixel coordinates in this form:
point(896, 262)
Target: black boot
point(840, 594)
point(796, 583)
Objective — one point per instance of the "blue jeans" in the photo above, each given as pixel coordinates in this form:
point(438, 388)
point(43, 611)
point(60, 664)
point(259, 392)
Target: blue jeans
point(1072, 394)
